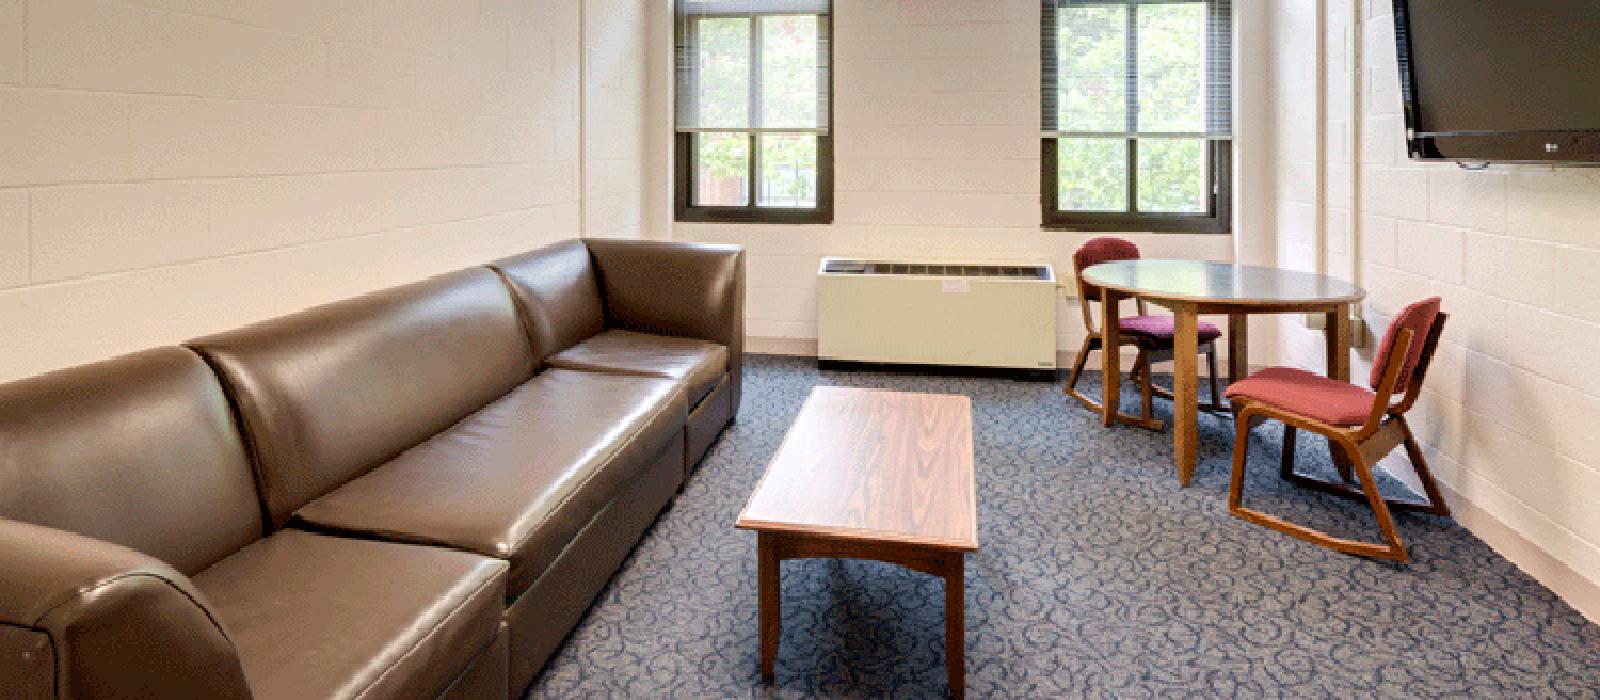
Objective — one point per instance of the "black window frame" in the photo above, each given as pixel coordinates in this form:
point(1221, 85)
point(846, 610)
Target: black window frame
point(1218, 217)
point(684, 146)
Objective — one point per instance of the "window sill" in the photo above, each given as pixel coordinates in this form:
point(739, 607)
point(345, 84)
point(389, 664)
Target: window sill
point(1132, 228)
point(780, 216)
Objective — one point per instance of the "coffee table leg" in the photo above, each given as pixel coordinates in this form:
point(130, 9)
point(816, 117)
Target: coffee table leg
point(955, 625)
point(771, 600)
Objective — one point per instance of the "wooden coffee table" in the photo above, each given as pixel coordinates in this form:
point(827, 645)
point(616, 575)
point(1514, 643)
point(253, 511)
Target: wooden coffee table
point(870, 474)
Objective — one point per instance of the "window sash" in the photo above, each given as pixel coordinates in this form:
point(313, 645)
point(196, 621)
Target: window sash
point(1218, 91)
point(724, 8)
point(1216, 219)
point(689, 129)
point(689, 13)
point(751, 211)
point(1199, 135)
point(1217, 100)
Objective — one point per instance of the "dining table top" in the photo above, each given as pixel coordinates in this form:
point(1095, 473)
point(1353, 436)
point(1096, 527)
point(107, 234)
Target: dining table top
point(1233, 284)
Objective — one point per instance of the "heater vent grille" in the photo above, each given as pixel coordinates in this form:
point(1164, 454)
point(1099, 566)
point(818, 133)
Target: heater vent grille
point(869, 267)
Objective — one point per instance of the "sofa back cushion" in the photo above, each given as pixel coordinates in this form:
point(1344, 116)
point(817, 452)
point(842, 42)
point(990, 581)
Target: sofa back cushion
point(694, 290)
point(327, 394)
point(557, 290)
point(140, 451)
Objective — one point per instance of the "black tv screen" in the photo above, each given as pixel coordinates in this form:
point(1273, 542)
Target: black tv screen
point(1500, 80)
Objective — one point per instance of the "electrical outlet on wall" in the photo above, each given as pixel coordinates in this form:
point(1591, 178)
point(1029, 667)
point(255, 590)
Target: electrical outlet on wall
point(1358, 328)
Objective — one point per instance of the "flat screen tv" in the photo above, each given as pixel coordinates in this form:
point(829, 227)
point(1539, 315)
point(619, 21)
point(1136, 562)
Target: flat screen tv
point(1501, 81)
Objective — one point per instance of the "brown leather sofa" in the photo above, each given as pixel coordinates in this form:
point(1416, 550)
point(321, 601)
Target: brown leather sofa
point(412, 494)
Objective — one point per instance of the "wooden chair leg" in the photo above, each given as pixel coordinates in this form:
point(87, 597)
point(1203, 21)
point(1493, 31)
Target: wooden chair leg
point(1396, 549)
point(1077, 367)
point(1141, 368)
point(1436, 503)
point(1211, 365)
point(1341, 464)
point(1071, 388)
point(1241, 446)
point(1215, 404)
point(1148, 421)
point(1392, 548)
point(1286, 462)
point(1351, 490)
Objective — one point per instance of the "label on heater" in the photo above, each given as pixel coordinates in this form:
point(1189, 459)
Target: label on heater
point(954, 286)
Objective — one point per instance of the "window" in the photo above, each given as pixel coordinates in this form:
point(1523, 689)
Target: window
point(753, 109)
point(1137, 115)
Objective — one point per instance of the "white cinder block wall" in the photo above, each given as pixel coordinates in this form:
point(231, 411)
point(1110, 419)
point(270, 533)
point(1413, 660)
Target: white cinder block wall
point(616, 122)
point(936, 141)
point(1295, 113)
point(174, 167)
point(1511, 402)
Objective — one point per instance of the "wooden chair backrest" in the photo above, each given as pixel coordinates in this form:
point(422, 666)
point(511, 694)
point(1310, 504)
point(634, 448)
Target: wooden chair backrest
point(1417, 317)
point(1420, 372)
point(1393, 364)
point(1102, 249)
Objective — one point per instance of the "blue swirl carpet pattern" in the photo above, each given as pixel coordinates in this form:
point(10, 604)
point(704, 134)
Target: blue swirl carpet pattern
point(1097, 578)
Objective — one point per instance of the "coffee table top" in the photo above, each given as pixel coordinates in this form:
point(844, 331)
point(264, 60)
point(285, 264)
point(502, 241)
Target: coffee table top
point(880, 466)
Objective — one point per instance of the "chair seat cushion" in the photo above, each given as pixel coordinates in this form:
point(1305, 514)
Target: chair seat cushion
point(1307, 394)
point(314, 616)
point(519, 478)
point(697, 363)
point(1161, 327)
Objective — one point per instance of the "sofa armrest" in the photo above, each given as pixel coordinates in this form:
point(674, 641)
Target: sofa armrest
point(693, 290)
point(83, 618)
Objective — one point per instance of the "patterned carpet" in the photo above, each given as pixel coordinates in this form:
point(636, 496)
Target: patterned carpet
point(1097, 577)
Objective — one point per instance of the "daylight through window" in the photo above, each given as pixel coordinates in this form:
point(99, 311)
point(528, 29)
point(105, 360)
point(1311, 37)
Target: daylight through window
point(753, 85)
point(1137, 114)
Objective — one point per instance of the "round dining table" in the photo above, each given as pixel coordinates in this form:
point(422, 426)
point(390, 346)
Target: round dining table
point(1195, 288)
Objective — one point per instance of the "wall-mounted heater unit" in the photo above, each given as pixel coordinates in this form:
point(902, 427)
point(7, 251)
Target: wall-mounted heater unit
point(937, 313)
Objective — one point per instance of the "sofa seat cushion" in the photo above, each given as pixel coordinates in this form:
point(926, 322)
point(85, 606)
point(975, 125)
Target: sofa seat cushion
point(314, 616)
point(697, 363)
point(517, 479)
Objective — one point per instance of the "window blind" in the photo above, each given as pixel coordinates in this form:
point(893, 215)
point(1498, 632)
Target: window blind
point(753, 65)
point(1137, 69)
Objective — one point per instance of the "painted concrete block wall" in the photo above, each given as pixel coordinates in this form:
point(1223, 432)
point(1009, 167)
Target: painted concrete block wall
point(1510, 404)
point(1295, 111)
point(936, 124)
point(616, 122)
point(174, 167)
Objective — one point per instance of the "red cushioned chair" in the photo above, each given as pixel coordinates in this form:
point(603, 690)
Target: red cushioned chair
point(1151, 335)
point(1362, 425)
